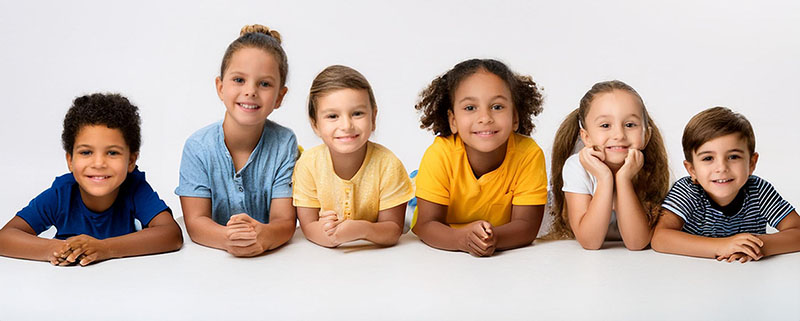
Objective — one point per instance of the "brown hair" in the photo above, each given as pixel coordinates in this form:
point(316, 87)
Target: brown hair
point(261, 37)
point(437, 99)
point(337, 77)
point(651, 183)
point(712, 123)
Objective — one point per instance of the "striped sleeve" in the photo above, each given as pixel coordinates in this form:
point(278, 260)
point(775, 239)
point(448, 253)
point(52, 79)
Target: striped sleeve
point(681, 199)
point(772, 206)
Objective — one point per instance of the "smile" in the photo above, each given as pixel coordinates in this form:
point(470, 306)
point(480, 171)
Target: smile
point(346, 138)
point(486, 133)
point(98, 178)
point(617, 148)
point(722, 181)
point(247, 106)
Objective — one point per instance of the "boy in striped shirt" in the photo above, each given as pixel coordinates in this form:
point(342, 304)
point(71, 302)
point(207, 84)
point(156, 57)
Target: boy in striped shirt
point(721, 210)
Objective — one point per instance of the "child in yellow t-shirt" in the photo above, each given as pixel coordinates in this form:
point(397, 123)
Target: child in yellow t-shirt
point(348, 188)
point(482, 184)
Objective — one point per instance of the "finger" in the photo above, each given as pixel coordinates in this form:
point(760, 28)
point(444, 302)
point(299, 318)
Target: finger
point(746, 250)
point(474, 249)
point(242, 242)
point(249, 235)
point(88, 260)
point(755, 240)
point(75, 253)
point(478, 241)
point(753, 245)
point(487, 229)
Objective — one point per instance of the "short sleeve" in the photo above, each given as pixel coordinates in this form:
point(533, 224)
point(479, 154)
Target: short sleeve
point(576, 179)
point(303, 183)
point(531, 186)
point(282, 184)
point(146, 202)
point(194, 179)
point(773, 207)
point(680, 199)
point(41, 212)
point(395, 185)
point(433, 177)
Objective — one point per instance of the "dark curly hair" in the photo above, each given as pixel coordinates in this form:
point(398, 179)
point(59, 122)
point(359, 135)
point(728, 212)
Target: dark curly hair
point(437, 99)
point(112, 110)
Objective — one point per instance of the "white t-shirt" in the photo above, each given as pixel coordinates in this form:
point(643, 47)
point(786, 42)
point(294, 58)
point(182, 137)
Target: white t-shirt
point(579, 181)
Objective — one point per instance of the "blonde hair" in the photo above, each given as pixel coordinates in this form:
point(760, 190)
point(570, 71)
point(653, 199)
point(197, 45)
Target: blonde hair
point(261, 37)
point(651, 183)
point(334, 78)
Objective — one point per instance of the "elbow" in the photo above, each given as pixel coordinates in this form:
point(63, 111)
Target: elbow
point(589, 244)
point(636, 247)
point(657, 243)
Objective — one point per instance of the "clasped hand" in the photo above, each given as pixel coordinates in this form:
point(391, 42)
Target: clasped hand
point(242, 232)
point(81, 249)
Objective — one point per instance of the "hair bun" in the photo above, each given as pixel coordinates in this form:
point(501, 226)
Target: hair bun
point(256, 28)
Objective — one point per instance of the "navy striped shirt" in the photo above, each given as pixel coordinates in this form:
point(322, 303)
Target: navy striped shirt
point(762, 205)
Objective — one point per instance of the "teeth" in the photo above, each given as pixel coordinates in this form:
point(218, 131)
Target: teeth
point(722, 180)
point(246, 106)
point(485, 133)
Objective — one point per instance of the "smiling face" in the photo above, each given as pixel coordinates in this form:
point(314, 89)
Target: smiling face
point(250, 87)
point(614, 124)
point(345, 119)
point(483, 112)
point(722, 166)
point(100, 162)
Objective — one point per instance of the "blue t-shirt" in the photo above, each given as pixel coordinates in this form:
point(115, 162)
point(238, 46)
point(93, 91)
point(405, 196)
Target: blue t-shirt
point(61, 206)
point(207, 171)
point(761, 205)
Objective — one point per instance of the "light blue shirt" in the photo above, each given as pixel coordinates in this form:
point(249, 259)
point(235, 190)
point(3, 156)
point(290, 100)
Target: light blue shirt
point(207, 171)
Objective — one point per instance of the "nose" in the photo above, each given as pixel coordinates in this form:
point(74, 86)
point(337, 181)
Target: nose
point(250, 90)
point(485, 116)
point(618, 132)
point(721, 166)
point(99, 160)
point(346, 123)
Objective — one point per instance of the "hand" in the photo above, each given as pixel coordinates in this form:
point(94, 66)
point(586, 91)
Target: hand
point(633, 164)
point(478, 239)
point(743, 243)
point(242, 232)
point(60, 252)
point(741, 257)
point(593, 161)
point(86, 249)
point(347, 231)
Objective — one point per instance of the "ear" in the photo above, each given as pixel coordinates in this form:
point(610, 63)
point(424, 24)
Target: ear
point(451, 118)
point(281, 94)
point(647, 134)
point(218, 84)
point(515, 124)
point(585, 138)
point(753, 161)
point(374, 117)
point(690, 168)
point(132, 161)
point(69, 161)
point(314, 126)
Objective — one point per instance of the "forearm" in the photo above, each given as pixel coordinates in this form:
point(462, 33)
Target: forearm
point(514, 234)
point(19, 244)
point(785, 241)
point(314, 233)
point(276, 233)
point(438, 235)
point(150, 240)
point(591, 229)
point(381, 233)
point(679, 242)
point(205, 231)
point(634, 226)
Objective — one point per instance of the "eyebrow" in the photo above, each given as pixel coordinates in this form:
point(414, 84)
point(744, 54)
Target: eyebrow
point(90, 146)
point(329, 109)
point(473, 98)
point(239, 73)
point(735, 150)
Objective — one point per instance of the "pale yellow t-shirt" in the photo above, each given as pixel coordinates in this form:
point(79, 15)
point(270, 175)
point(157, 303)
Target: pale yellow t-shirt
point(381, 183)
point(445, 177)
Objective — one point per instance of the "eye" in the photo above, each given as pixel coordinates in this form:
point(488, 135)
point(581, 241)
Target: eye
point(238, 80)
point(497, 107)
point(331, 116)
point(707, 159)
point(264, 84)
point(734, 157)
point(469, 108)
point(605, 125)
point(84, 152)
point(631, 125)
point(113, 153)
point(358, 113)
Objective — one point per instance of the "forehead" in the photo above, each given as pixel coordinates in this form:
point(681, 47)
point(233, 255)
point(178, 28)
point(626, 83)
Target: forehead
point(344, 98)
point(723, 144)
point(481, 84)
point(99, 135)
point(255, 61)
point(616, 103)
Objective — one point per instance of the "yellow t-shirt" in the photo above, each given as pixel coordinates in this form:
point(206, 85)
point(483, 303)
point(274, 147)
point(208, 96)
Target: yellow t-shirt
point(445, 177)
point(381, 183)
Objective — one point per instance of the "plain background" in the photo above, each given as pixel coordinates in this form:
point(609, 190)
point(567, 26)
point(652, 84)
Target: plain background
point(682, 57)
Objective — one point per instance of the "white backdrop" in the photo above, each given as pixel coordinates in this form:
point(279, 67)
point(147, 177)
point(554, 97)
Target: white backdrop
point(682, 57)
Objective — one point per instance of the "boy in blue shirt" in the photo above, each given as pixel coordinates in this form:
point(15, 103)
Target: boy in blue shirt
point(93, 208)
point(721, 210)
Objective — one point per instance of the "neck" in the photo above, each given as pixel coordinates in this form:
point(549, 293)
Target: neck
point(347, 165)
point(241, 138)
point(98, 204)
point(484, 162)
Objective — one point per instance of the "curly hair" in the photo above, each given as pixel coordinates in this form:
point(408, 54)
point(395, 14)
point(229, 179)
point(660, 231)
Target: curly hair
point(261, 37)
point(112, 110)
point(437, 99)
point(651, 183)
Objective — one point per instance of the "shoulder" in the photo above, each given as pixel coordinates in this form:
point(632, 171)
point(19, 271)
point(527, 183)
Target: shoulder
point(277, 131)
point(204, 138)
point(382, 152)
point(573, 162)
point(442, 147)
point(525, 144)
point(685, 188)
point(66, 180)
point(313, 154)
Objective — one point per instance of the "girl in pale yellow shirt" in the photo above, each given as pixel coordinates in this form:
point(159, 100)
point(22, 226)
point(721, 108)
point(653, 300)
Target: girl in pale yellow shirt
point(348, 188)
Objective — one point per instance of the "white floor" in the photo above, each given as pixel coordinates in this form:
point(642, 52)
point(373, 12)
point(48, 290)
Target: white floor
point(410, 281)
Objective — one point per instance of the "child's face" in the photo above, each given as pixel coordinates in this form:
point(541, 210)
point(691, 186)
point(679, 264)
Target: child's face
point(250, 88)
point(722, 166)
point(483, 112)
point(345, 120)
point(614, 124)
point(100, 161)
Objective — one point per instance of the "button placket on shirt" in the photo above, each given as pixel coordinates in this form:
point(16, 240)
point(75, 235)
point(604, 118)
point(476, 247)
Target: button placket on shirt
point(348, 201)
